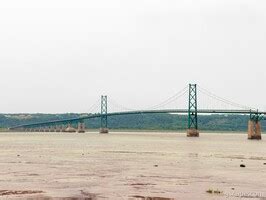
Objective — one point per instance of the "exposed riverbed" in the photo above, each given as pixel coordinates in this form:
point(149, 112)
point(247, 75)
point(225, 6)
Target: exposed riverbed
point(131, 166)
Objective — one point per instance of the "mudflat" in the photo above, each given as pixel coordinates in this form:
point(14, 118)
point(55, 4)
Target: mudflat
point(158, 166)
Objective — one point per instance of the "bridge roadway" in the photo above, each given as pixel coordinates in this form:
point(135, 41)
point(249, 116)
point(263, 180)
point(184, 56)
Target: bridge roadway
point(176, 111)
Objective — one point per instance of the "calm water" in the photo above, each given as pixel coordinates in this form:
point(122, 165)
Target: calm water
point(132, 166)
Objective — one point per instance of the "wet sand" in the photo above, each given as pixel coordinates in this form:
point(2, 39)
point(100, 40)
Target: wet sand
point(131, 166)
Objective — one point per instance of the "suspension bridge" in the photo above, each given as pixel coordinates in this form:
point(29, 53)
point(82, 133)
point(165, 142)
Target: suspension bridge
point(170, 105)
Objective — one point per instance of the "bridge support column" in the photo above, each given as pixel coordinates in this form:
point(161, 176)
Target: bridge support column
point(81, 127)
point(192, 112)
point(254, 130)
point(104, 123)
point(104, 130)
point(63, 128)
point(70, 129)
point(192, 133)
point(57, 129)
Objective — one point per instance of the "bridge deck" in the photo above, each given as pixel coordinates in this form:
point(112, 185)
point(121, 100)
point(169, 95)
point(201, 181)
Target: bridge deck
point(177, 111)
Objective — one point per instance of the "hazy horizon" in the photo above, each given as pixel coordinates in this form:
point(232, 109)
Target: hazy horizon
point(59, 56)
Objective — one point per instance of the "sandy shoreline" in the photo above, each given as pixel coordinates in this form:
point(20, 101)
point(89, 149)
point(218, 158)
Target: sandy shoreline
point(131, 166)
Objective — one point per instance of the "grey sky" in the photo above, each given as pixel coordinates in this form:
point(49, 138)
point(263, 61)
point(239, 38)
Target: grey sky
point(59, 55)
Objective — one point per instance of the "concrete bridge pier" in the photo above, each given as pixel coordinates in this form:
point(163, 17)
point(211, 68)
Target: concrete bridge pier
point(254, 130)
point(81, 127)
point(63, 128)
point(70, 129)
point(104, 130)
point(58, 129)
point(192, 132)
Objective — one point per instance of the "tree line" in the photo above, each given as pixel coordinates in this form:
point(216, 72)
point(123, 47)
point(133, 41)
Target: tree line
point(139, 122)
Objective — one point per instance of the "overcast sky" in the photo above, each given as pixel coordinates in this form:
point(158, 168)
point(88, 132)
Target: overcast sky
point(59, 56)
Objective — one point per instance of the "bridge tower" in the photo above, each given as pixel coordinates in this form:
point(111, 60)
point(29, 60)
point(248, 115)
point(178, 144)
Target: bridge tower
point(192, 112)
point(81, 126)
point(254, 126)
point(104, 121)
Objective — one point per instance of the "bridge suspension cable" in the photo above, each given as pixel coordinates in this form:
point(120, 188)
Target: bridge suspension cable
point(223, 100)
point(166, 102)
point(94, 107)
point(171, 99)
point(119, 106)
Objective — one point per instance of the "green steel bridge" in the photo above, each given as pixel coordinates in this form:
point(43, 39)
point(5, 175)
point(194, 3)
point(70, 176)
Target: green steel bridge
point(176, 111)
point(192, 112)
